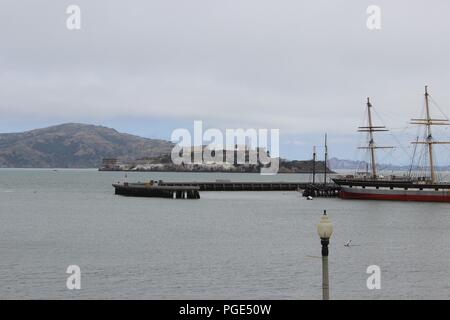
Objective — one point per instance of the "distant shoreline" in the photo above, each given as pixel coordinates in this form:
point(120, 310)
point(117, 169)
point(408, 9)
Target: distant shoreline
point(211, 171)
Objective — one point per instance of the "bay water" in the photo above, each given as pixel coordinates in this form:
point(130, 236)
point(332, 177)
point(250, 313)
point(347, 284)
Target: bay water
point(226, 245)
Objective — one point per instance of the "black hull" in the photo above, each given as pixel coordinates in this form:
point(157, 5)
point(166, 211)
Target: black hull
point(143, 190)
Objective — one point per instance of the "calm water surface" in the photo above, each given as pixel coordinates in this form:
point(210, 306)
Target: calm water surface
point(242, 245)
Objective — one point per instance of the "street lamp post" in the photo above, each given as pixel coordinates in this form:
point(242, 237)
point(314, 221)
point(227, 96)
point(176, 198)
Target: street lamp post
point(325, 229)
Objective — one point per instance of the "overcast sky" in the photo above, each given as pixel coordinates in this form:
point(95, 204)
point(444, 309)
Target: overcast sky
point(147, 67)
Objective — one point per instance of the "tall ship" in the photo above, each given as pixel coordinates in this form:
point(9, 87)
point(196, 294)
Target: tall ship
point(421, 186)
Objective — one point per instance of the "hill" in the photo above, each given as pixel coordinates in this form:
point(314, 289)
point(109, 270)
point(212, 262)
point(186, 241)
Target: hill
point(74, 145)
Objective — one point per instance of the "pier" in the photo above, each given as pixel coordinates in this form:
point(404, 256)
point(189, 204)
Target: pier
point(309, 189)
point(191, 189)
point(239, 186)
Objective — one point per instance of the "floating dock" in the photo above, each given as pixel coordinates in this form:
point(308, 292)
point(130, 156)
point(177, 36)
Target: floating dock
point(158, 191)
point(321, 190)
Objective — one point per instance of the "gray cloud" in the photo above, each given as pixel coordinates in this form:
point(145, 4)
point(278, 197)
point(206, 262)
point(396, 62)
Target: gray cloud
point(301, 66)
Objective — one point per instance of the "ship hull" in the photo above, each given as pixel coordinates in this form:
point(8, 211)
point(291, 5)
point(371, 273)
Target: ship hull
point(395, 195)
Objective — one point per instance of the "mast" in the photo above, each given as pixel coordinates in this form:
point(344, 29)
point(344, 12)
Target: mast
point(371, 142)
point(314, 165)
point(429, 138)
point(428, 122)
point(371, 146)
point(326, 160)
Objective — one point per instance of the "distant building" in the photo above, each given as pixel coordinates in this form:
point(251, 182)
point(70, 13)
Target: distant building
point(110, 164)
